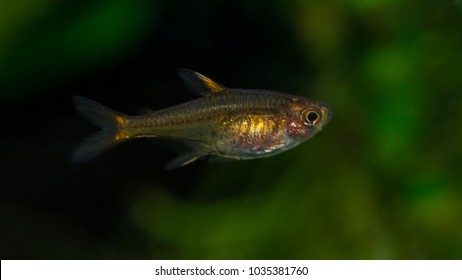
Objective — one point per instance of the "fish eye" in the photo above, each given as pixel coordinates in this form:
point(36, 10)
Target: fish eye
point(310, 117)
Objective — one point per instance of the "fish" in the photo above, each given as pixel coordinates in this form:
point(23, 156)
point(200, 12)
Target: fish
point(223, 124)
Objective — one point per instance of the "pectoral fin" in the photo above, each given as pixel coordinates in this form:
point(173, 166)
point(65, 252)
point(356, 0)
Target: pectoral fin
point(200, 84)
point(184, 159)
point(219, 159)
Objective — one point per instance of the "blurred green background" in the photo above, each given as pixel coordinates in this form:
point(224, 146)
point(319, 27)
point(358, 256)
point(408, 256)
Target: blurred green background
point(382, 181)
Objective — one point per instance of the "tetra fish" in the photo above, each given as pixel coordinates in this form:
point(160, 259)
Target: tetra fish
point(225, 123)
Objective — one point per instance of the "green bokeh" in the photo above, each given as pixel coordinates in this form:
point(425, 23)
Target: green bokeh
point(62, 41)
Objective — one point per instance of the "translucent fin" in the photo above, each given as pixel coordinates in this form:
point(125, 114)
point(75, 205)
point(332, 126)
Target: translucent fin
point(184, 159)
point(108, 120)
point(145, 111)
point(199, 84)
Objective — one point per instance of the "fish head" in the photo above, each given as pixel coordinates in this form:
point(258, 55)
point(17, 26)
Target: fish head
point(306, 117)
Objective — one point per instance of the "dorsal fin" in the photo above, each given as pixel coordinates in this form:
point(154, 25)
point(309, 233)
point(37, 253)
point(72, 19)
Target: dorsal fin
point(200, 84)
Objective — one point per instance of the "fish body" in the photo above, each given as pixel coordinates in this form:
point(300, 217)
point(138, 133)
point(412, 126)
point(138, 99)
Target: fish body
point(225, 123)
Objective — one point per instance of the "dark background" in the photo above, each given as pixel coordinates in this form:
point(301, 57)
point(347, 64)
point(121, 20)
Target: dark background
point(382, 181)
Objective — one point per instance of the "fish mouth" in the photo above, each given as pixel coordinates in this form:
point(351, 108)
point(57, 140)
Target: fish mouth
point(327, 111)
point(330, 114)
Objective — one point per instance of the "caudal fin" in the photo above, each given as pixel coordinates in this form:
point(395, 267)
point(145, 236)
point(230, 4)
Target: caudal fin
point(108, 120)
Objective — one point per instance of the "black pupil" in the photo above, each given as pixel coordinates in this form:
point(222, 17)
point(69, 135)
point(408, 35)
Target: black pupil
point(312, 116)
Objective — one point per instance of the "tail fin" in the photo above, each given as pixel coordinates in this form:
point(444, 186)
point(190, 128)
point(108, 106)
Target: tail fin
point(108, 120)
